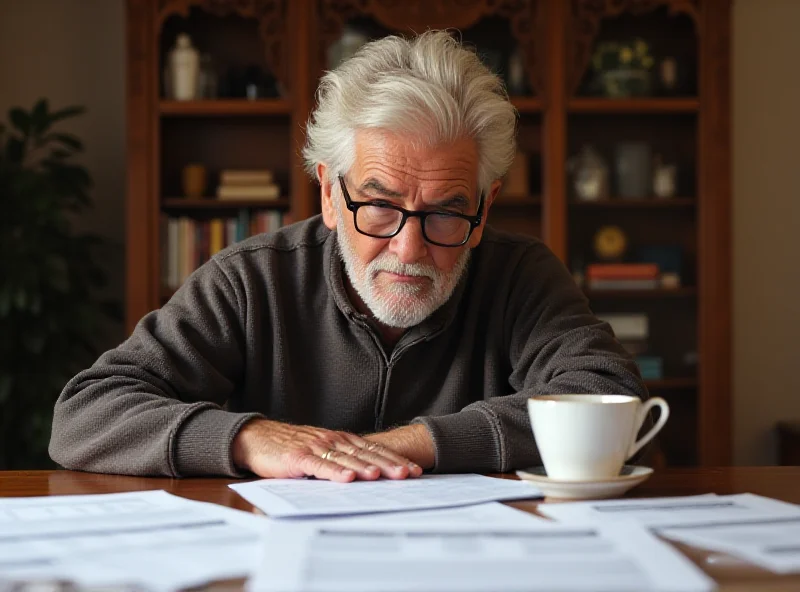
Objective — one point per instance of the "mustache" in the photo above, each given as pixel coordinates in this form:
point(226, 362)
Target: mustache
point(392, 265)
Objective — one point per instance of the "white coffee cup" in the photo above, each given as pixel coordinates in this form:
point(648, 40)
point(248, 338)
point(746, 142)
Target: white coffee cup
point(589, 437)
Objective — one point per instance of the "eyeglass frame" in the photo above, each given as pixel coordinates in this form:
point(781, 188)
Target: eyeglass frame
point(354, 206)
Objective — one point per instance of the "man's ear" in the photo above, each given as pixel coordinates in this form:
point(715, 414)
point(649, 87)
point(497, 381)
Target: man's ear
point(326, 194)
point(488, 200)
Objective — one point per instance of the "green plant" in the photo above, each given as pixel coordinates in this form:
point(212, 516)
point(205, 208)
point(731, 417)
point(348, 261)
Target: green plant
point(622, 55)
point(50, 312)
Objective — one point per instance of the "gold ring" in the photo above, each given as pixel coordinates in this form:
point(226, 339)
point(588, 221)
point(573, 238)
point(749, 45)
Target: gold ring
point(372, 446)
point(327, 454)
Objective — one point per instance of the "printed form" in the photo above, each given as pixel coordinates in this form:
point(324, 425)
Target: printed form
point(671, 511)
point(759, 529)
point(289, 498)
point(773, 543)
point(309, 557)
point(100, 540)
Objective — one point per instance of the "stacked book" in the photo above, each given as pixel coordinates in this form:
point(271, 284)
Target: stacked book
point(238, 184)
point(189, 242)
point(623, 276)
point(632, 330)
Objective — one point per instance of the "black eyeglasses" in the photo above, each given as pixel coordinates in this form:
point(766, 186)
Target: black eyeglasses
point(383, 220)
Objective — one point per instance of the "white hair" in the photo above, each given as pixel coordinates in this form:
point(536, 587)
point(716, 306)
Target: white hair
point(430, 87)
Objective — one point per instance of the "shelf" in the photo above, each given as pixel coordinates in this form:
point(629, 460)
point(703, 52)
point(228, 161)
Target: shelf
point(651, 202)
point(527, 104)
point(644, 105)
point(210, 203)
point(686, 292)
point(688, 382)
point(225, 108)
point(517, 201)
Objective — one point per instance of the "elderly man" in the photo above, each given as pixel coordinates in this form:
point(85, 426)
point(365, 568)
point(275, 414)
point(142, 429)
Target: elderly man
point(395, 333)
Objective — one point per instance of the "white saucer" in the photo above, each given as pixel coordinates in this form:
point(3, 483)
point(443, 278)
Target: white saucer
point(629, 477)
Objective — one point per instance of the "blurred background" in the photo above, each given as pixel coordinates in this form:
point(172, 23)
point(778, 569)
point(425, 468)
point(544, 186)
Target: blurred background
point(657, 148)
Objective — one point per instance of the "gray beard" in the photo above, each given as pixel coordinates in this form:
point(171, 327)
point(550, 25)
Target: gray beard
point(398, 305)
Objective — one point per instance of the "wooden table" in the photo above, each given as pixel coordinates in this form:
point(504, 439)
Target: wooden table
point(778, 482)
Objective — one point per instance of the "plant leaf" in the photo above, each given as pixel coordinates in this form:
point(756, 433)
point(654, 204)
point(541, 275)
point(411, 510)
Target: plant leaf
point(15, 150)
point(68, 140)
point(39, 117)
point(66, 113)
point(20, 120)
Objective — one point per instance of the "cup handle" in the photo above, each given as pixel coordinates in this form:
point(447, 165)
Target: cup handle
point(643, 411)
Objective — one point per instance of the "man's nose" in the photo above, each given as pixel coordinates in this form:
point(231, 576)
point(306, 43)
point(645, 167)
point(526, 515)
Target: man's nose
point(409, 244)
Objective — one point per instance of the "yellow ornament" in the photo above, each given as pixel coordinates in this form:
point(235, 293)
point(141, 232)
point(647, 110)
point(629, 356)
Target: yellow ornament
point(610, 243)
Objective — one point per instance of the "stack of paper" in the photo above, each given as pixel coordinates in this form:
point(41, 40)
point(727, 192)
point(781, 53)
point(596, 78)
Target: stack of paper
point(307, 556)
point(109, 540)
point(284, 498)
point(671, 511)
point(317, 544)
point(436, 533)
point(755, 528)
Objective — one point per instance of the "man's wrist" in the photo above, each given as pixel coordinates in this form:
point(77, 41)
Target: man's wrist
point(241, 445)
point(412, 441)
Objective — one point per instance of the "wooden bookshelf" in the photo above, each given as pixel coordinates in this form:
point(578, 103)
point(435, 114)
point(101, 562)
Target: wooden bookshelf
point(182, 203)
point(527, 104)
point(225, 108)
point(559, 112)
point(663, 384)
point(648, 105)
point(648, 203)
point(684, 292)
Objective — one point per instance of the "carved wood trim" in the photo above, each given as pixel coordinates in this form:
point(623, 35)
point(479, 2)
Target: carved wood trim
point(585, 24)
point(415, 16)
point(272, 25)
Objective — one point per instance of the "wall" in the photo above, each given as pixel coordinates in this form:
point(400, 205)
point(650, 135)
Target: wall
point(73, 53)
point(766, 228)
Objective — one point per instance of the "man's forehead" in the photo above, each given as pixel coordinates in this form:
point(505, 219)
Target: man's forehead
point(396, 158)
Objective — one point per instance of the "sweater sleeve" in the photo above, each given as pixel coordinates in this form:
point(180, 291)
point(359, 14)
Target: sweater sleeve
point(153, 405)
point(555, 346)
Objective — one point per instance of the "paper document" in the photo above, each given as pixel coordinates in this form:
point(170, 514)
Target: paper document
point(670, 511)
point(285, 498)
point(773, 543)
point(303, 556)
point(493, 513)
point(107, 540)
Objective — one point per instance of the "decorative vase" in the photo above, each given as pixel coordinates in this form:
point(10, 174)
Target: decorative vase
point(195, 180)
point(626, 82)
point(346, 46)
point(664, 179)
point(184, 69)
point(589, 175)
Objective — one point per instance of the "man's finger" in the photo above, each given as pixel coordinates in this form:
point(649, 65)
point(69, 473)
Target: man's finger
point(392, 466)
point(315, 466)
point(363, 469)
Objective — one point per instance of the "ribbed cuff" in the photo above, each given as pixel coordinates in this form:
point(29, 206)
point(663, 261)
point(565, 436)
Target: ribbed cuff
point(203, 443)
point(467, 441)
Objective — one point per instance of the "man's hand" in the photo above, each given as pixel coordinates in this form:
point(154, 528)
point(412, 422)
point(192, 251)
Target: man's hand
point(412, 441)
point(273, 449)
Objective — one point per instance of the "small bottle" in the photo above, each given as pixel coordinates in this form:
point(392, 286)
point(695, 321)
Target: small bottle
point(184, 66)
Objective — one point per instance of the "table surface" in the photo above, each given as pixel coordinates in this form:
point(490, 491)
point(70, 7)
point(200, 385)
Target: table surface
point(732, 574)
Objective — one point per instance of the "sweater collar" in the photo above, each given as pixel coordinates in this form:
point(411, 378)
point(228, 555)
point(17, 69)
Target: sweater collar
point(441, 318)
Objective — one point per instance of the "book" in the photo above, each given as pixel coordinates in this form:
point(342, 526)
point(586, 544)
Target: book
point(630, 326)
point(620, 284)
point(255, 192)
point(246, 177)
point(637, 271)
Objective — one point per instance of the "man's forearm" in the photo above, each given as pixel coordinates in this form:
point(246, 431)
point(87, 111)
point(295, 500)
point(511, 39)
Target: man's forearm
point(413, 442)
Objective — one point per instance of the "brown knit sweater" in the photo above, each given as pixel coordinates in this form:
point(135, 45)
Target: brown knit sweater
point(266, 328)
